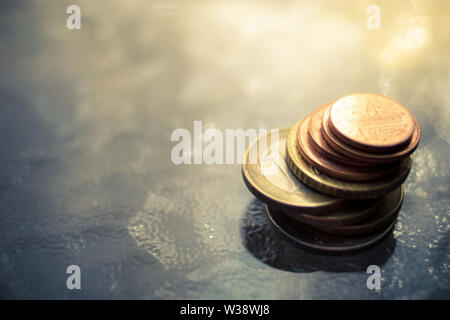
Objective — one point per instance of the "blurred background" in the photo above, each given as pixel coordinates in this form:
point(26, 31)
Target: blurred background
point(85, 123)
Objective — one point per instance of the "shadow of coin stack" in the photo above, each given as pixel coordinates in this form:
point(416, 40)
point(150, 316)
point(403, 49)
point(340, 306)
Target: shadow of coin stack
point(333, 181)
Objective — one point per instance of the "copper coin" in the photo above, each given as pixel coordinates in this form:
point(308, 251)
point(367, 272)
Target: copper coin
point(319, 143)
point(333, 168)
point(323, 183)
point(376, 158)
point(385, 214)
point(303, 235)
point(354, 212)
point(371, 122)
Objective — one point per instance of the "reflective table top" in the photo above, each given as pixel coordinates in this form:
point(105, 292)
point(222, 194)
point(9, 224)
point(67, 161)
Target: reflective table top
point(87, 116)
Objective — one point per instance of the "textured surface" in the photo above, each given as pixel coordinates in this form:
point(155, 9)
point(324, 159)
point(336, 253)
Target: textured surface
point(85, 126)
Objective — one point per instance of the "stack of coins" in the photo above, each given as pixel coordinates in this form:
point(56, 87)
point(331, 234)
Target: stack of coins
point(335, 178)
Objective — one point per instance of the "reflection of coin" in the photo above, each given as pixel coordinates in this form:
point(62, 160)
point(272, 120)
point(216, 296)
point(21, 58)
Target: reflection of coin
point(356, 154)
point(336, 187)
point(278, 186)
point(333, 168)
point(371, 122)
point(305, 236)
point(385, 214)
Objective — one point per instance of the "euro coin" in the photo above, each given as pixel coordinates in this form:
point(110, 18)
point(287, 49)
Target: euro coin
point(271, 181)
point(371, 122)
point(334, 168)
point(337, 187)
point(367, 157)
point(319, 143)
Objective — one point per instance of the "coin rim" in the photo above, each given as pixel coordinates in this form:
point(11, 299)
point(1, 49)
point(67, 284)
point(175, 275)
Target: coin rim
point(323, 248)
point(265, 197)
point(370, 147)
point(346, 172)
point(366, 228)
point(350, 218)
point(328, 150)
point(331, 153)
point(336, 187)
point(374, 158)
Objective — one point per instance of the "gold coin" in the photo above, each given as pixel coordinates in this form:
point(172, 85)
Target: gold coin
point(336, 187)
point(271, 181)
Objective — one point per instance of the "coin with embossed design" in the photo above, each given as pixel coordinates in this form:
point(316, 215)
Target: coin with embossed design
point(268, 177)
point(334, 168)
point(337, 187)
point(371, 122)
point(363, 156)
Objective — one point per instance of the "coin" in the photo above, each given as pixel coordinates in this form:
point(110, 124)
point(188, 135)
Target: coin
point(353, 212)
point(319, 143)
point(303, 235)
point(333, 168)
point(271, 181)
point(385, 214)
point(336, 187)
point(371, 122)
point(375, 158)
